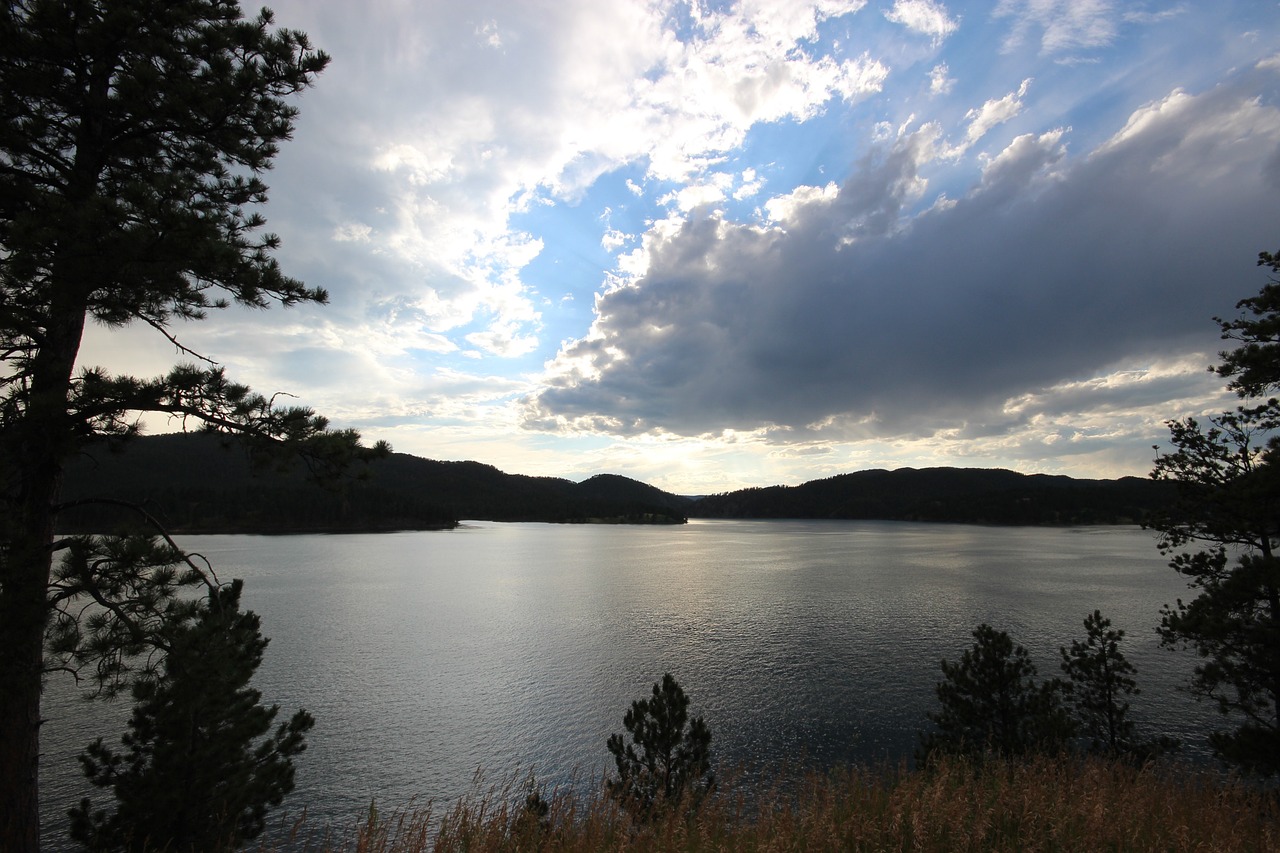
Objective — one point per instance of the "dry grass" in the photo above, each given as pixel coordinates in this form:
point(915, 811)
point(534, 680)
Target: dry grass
point(1041, 804)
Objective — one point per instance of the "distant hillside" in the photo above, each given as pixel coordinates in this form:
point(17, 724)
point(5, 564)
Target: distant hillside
point(204, 483)
point(967, 495)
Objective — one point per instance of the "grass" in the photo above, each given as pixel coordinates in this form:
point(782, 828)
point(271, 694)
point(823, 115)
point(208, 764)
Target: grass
point(1067, 804)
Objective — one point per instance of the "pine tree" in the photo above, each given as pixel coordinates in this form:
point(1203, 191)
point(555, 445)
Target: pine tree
point(669, 758)
point(133, 140)
point(990, 702)
point(199, 767)
point(1222, 536)
point(1100, 678)
point(1099, 681)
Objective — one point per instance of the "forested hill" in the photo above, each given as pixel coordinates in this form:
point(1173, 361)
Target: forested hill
point(967, 495)
point(204, 483)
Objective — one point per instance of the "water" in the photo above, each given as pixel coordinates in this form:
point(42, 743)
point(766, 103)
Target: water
point(425, 656)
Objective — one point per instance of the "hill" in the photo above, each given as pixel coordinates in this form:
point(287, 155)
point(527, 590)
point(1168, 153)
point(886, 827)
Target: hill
point(967, 495)
point(205, 483)
point(201, 483)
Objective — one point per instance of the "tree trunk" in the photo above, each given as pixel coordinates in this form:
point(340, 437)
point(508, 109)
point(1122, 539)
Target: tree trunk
point(1273, 606)
point(35, 448)
point(22, 621)
point(23, 596)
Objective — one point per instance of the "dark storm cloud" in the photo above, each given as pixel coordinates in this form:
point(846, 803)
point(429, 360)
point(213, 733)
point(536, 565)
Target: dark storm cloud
point(1054, 268)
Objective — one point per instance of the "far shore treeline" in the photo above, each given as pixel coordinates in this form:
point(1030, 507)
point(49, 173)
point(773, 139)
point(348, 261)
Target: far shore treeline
point(202, 483)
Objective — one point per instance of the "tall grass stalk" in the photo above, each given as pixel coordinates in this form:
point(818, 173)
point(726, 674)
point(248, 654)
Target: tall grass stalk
point(1066, 804)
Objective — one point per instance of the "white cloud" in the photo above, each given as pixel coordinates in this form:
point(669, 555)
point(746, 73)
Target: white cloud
point(504, 340)
point(784, 208)
point(992, 114)
point(939, 82)
point(750, 184)
point(613, 239)
point(1150, 116)
point(1140, 16)
point(928, 143)
point(489, 35)
point(1064, 26)
point(711, 190)
point(450, 143)
point(923, 16)
point(740, 74)
point(352, 232)
point(1016, 168)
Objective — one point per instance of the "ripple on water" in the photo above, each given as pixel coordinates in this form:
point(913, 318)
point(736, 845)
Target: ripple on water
point(424, 656)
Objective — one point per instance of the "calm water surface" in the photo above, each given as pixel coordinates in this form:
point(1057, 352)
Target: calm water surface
point(427, 655)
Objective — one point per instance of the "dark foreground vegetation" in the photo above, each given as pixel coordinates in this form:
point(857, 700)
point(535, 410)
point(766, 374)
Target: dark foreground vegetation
point(1042, 803)
point(1009, 765)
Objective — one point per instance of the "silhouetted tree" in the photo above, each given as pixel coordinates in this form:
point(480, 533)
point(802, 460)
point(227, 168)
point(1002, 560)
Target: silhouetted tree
point(990, 702)
point(133, 137)
point(1100, 680)
point(1230, 507)
point(199, 767)
point(669, 757)
point(134, 583)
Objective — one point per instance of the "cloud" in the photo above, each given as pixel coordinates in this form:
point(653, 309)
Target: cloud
point(939, 82)
point(923, 16)
point(750, 184)
point(786, 208)
point(1025, 163)
point(613, 239)
point(742, 67)
point(504, 340)
point(439, 123)
point(850, 316)
point(1064, 26)
point(992, 114)
point(352, 232)
point(712, 189)
point(1151, 118)
point(1141, 16)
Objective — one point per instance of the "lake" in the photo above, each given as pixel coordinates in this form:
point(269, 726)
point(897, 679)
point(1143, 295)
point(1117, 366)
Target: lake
point(427, 655)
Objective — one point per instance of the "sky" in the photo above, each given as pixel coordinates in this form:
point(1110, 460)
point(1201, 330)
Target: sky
point(712, 245)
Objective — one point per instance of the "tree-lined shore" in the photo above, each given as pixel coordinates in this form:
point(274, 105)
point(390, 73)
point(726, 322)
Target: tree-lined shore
point(204, 483)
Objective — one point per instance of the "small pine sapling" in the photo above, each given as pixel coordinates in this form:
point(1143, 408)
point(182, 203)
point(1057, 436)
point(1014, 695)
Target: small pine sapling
point(669, 758)
point(1100, 680)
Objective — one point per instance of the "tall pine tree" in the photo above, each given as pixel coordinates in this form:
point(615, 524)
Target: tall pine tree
point(133, 140)
point(1223, 534)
